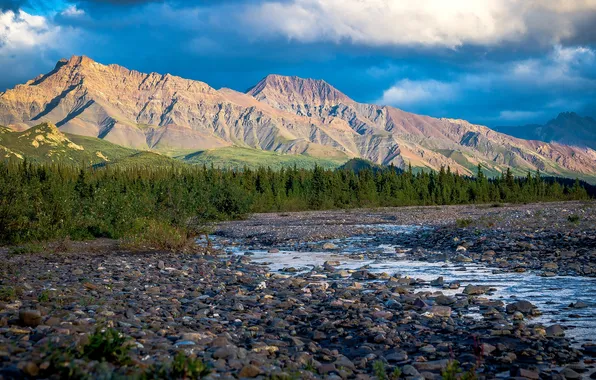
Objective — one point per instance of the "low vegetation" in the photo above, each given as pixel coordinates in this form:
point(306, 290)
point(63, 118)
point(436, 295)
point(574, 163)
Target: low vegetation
point(166, 207)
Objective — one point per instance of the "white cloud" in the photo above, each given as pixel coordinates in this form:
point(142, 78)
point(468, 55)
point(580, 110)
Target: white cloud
point(26, 42)
point(562, 74)
point(509, 115)
point(73, 11)
point(406, 92)
point(22, 30)
point(416, 22)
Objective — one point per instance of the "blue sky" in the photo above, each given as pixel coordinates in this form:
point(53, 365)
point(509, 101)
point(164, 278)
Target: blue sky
point(493, 62)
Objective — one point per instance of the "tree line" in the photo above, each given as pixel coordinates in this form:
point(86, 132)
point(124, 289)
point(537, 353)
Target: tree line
point(44, 202)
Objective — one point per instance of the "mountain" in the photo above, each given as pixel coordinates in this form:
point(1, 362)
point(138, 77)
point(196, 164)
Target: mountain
point(287, 115)
point(567, 128)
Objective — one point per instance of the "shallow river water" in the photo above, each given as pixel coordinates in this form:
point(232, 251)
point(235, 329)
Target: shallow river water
point(552, 295)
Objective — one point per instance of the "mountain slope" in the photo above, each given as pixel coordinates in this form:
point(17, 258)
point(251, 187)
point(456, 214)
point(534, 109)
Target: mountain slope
point(44, 143)
point(280, 114)
point(154, 111)
point(389, 135)
point(567, 128)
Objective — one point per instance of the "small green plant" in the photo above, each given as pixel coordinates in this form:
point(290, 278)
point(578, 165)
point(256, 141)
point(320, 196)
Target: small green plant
point(379, 370)
point(181, 367)
point(574, 219)
point(310, 367)
point(463, 223)
point(451, 371)
point(381, 373)
point(44, 296)
point(9, 293)
point(396, 374)
point(107, 345)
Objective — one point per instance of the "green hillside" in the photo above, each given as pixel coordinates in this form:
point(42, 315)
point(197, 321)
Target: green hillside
point(44, 143)
point(238, 158)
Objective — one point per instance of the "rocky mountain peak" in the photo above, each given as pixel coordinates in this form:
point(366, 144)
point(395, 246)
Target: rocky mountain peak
point(285, 91)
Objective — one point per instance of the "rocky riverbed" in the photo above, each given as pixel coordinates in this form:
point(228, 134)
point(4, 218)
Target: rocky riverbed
point(352, 295)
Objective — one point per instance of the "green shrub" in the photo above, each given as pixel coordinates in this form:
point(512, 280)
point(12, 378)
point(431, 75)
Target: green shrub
point(574, 218)
point(155, 234)
point(107, 345)
point(25, 249)
point(9, 293)
point(181, 367)
point(463, 223)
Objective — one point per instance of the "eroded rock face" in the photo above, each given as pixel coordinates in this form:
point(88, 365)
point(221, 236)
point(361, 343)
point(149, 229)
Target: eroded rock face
point(282, 114)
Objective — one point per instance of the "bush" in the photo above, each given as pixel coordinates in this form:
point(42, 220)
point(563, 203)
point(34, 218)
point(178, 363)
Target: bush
point(463, 223)
point(159, 235)
point(181, 367)
point(574, 218)
point(107, 345)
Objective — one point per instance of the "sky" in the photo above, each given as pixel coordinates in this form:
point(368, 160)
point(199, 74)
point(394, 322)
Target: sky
point(492, 62)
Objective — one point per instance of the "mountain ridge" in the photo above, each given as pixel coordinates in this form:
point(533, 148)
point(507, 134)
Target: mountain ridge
point(567, 128)
point(289, 115)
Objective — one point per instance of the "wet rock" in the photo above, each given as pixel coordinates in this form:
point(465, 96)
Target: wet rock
point(474, 290)
point(578, 305)
point(329, 246)
point(555, 331)
point(524, 307)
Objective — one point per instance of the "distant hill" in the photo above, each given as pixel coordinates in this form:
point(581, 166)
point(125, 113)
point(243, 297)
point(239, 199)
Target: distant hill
point(359, 164)
point(45, 143)
point(238, 158)
point(567, 128)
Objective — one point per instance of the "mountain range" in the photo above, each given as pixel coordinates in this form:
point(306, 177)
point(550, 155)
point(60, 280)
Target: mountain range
point(306, 118)
point(567, 128)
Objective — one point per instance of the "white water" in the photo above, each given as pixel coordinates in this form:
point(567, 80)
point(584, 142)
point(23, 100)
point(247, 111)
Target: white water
point(552, 295)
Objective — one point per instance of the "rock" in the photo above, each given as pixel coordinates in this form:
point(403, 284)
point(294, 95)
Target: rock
point(327, 368)
point(381, 314)
point(474, 290)
point(78, 272)
point(273, 250)
point(568, 373)
point(433, 366)
point(445, 300)
point(31, 369)
point(428, 349)
point(161, 265)
point(438, 282)
point(409, 370)
point(30, 318)
point(555, 331)
point(524, 307)
point(329, 246)
point(396, 356)
point(578, 305)
point(525, 373)
point(441, 311)
point(249, 371)
point(226, 352)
